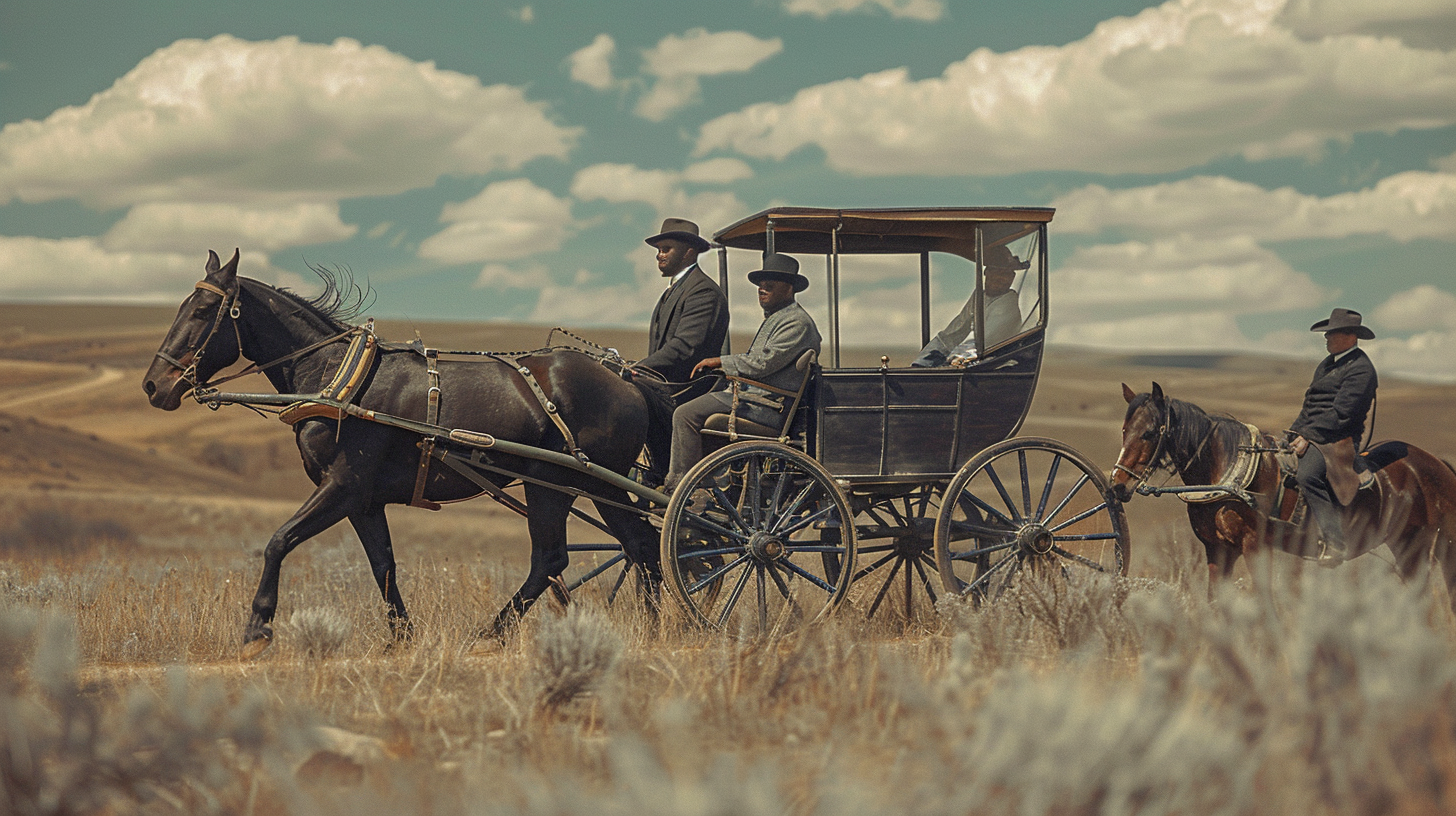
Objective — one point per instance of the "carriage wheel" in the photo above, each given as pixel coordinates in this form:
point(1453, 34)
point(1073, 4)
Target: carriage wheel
point(895, 547)
point(1022, 504)
point(753, 558)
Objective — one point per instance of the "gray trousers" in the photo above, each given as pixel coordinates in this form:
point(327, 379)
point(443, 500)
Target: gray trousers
point(1320, 497)
point(687, 427)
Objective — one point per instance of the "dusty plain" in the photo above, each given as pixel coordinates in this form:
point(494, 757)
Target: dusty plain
point(142, 531)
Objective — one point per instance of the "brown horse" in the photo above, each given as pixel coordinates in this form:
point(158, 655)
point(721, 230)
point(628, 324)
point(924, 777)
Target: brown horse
point(361, 466)
point(1411, 508)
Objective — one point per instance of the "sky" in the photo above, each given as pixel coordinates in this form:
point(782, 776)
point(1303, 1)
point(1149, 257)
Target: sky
point(1224, 172)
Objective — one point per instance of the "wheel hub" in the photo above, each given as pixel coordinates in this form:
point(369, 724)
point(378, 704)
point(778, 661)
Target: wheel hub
point(766, 547)
point(1035, 538)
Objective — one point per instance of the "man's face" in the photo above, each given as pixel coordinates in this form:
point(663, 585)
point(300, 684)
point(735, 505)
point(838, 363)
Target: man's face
point(1340, 340)
point(775, 293)
point(999, 280)
point(673, 256)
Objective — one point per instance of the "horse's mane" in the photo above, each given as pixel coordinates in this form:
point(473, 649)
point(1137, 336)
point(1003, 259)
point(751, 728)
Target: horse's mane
point(1191, 429)
point(342, 301)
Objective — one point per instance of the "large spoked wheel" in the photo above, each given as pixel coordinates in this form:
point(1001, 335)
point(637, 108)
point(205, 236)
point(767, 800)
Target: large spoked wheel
point(742, 543)
point(1023, 504)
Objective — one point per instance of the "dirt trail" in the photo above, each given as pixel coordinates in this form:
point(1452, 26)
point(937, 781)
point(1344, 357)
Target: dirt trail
point(104, 375)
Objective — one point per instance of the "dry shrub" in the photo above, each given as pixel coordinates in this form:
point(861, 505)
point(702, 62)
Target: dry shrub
point(319, 632)
point(56, 532)
point(574, 654)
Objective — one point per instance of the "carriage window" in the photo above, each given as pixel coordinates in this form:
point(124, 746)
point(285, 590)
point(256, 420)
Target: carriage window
point(1009, 288)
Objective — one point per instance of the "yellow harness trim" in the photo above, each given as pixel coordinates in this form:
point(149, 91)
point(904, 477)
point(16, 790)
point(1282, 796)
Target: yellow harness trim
point(352, 371)
point(1239, 477)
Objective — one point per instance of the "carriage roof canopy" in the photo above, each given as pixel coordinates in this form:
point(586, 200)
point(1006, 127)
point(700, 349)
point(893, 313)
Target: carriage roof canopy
point(870, 231)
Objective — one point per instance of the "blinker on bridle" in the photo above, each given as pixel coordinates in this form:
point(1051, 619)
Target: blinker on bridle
point(1164, 420)
point(228, 307)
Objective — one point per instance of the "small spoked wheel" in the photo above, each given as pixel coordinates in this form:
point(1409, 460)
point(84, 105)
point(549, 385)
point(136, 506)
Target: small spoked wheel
point(895, 530)
point(1027, 504)
point(743, 548)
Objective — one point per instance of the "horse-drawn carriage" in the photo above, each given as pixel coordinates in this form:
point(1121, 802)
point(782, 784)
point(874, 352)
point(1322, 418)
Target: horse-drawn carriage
point(884, 484)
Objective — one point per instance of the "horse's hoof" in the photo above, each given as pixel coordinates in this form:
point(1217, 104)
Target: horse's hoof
point(257, 646)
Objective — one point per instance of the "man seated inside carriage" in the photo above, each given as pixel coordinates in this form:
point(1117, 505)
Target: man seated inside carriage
point(956, 343)
point(786, 333)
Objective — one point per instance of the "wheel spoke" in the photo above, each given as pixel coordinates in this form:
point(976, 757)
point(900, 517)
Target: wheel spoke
point(794, 505)
point(817, 515)
point(716, 574)
point(598, 570)
point(1076, 488)
point(706, 553)
point(708, 525)
point(733, 514)
point(1000, 488)
point(762, 598)
point(1086, 562)
point(1088, 537)
point(753, 482)
point(1046, 490)
point(885, 587)
point(807, 576)
point(1085, 514)
point(969, 554)
point(617, 585)
point(779, 582)
point(925, 578)
point(871, 568)
point(733, 597)
point(986, 576)
point(967, 495)
point(1025, 483)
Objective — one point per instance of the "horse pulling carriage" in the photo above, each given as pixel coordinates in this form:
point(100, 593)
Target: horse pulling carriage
point(884, 485)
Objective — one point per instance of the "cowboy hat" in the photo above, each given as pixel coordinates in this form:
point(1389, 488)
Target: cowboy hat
point(682, 230)
point(1000, 257)
point(780, 267)
point(1347, 319)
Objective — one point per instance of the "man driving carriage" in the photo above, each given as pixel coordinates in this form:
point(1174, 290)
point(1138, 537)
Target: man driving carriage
point(689, 324)
point(957, 341)
point(1333, 419)
point(786, 333)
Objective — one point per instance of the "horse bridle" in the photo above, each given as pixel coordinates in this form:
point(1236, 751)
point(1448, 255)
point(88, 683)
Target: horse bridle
point(227, 307)
point(1164, 421)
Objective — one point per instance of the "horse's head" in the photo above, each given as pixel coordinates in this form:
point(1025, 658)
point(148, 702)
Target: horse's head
point(1144, 437)
point(197, 347)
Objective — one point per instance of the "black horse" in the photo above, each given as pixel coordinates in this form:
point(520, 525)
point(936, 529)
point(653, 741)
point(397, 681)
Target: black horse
point(360, 466)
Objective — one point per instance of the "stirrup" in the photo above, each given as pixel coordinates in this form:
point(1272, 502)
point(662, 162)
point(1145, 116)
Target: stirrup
point(1367, 479)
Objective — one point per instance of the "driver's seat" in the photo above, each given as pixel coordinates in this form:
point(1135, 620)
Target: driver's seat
point(734, 427)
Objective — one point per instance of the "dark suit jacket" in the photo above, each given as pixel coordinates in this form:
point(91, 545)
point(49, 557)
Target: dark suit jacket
point(689, 325)
point(1338, 400)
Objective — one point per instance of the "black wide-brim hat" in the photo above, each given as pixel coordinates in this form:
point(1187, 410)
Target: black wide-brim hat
point(1344, 319)
point(779, 266)
point(682, 230)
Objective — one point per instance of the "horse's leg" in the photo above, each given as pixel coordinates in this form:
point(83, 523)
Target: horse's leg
point(373, 529)
point(639, 541)
point(546, 521)
point(328, 505)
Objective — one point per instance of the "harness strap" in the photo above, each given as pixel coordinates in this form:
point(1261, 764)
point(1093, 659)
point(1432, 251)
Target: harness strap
point(427, 452)
point(432, 370)
point(551, 413)
point(358, 359)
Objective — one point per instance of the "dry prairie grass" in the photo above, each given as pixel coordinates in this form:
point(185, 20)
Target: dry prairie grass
point(120, 692)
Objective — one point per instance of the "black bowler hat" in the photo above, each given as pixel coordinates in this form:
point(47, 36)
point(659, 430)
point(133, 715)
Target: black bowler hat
point(682, 230)
point(1344, 319)
point(780, 267)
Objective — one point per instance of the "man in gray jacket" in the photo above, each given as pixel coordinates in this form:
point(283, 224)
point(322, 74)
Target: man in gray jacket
point(786, 333)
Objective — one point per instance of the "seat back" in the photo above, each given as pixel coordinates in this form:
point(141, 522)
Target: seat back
point(733, 427)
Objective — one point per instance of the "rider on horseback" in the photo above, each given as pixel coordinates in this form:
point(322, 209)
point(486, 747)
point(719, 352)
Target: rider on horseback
point(1333, 417)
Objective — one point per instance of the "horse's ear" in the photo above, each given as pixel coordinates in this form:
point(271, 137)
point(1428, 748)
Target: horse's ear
point(231, 267)
point(1127, 393)
point(225, 274)
point(213, 262)
point(1157, 393)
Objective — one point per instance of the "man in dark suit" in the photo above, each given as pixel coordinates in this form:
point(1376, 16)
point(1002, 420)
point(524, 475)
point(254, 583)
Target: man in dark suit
point(689, 325)
point(1332, 419)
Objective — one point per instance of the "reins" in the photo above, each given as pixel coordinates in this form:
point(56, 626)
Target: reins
point(1165, 425)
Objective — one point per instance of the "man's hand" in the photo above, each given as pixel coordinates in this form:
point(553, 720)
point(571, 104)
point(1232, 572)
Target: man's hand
point(705, 365)
point(1299, 445)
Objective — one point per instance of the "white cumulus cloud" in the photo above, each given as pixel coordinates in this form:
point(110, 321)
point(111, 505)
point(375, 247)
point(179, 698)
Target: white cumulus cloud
point(676, 63)
point(592, 64)
point(1174, 86)
point(1404, 206)
point(505, 221)
point(82, 269)
point(1431, 23)
point(1422, 308)
point(926, 10)
point(186, 227)
point(279, 120)
point(663, 190)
